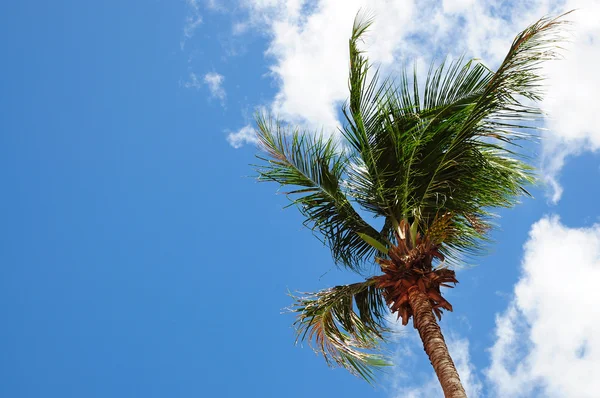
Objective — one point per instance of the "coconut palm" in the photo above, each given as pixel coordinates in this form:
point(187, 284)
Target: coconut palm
point(433, 164)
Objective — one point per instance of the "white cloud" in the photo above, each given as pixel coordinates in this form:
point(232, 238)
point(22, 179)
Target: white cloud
point(245, 135)
point(548, 340)
point(214, 81)
point(405, 382)
point(574, 123)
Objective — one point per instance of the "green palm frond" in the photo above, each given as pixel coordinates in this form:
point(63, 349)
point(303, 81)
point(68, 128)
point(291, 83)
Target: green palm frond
point(346, 325)
point(363, 116)
point(315, 166)
point(519, 73)
point(455, 84)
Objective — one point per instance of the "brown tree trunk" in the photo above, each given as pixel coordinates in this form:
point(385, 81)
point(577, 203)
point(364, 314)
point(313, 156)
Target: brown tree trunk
point(434, 344)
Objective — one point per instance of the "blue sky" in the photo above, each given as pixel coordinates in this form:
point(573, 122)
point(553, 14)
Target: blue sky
point(139, 257)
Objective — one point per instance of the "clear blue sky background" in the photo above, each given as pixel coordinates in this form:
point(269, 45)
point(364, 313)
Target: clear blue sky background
point(138, 258)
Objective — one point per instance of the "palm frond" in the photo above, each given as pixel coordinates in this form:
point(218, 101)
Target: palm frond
point(314, 167)
point(363, 115)
point(346, 325)
point(520, 72)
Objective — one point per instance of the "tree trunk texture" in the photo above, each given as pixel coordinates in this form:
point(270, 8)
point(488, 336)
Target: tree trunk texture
point(434, 344)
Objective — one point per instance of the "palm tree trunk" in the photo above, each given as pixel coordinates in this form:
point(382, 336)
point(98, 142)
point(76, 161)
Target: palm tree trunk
point(434, 344)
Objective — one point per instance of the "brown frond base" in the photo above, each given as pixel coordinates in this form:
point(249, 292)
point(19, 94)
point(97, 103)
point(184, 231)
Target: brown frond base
point(412, 266)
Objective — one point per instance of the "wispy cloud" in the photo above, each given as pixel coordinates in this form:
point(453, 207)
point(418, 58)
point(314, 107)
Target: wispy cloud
point(216, 5)
point(548, 339)
point(245, 135)
point(193, 82)
point(192, 20)
point(214, 81)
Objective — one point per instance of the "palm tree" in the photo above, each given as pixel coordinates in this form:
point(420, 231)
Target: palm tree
point(433, 165)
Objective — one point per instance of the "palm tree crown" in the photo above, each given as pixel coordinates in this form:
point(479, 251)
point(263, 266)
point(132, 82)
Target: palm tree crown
point(433, 163)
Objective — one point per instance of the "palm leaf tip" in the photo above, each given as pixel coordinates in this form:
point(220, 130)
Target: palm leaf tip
point(345, 325)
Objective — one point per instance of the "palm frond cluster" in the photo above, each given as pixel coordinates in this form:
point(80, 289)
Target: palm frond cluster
point(432, 163)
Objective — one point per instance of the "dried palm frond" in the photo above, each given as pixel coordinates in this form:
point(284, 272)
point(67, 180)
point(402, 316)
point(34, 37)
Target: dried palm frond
point(345, 325)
